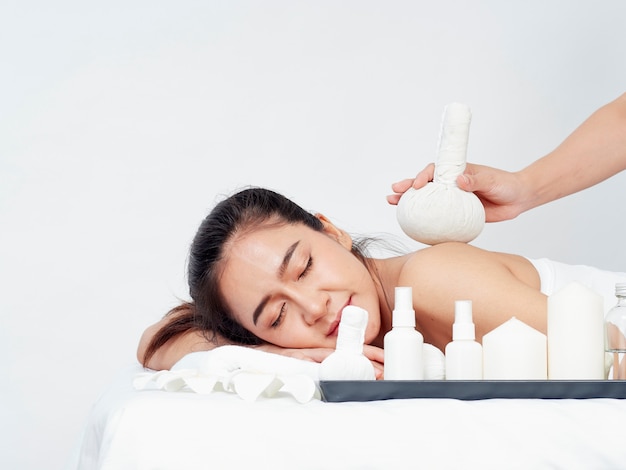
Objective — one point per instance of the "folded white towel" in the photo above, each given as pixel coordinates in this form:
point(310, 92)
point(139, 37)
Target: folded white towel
point(245, 371)
point(251, 373)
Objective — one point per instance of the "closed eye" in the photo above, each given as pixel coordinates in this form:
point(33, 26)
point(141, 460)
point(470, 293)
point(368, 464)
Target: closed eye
point(281, 314)
point(307, 268)
point(280, 317)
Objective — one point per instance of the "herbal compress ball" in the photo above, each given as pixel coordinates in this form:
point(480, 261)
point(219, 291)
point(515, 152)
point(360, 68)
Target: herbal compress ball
point(440, 211)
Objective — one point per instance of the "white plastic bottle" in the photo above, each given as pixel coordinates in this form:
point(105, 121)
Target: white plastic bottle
point(464, 355)
point(403, 345)
point(348, 362)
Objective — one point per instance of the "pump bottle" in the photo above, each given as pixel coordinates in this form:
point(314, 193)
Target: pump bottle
point(348, 362)
point(403, 345)
point(464, 355)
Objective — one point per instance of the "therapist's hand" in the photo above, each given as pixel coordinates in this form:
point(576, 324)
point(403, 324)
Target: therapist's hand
point(502, 193)
point(401, 187)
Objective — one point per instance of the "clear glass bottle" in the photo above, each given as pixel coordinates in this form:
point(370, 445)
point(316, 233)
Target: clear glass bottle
point(615, 333)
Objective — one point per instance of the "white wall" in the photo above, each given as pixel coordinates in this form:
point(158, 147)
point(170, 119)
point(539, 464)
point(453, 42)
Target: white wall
point(122, 122)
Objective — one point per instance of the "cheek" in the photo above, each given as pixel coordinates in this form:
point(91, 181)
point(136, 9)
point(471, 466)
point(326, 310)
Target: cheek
point(284, 338)
point(294, 333)
point(373, 326)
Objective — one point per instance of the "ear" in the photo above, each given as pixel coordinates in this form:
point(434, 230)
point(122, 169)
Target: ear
point(335, 232)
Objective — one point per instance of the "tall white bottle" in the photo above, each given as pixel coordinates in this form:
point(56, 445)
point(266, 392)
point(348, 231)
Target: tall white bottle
point(403, 345)
point(464, 355)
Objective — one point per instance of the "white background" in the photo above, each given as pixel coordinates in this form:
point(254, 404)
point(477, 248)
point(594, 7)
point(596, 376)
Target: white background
point(122, 122)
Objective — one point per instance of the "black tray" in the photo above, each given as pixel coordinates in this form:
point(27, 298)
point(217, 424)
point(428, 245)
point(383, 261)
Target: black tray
point(369, 390)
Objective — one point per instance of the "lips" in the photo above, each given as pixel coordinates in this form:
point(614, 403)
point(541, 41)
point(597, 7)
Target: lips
point(334, 326)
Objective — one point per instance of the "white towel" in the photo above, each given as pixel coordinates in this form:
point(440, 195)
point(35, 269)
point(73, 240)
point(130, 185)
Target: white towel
point(555, 275)
point(245, 371)
point(251, 373)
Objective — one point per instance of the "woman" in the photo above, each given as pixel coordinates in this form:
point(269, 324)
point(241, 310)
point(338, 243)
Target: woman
point(264, 271)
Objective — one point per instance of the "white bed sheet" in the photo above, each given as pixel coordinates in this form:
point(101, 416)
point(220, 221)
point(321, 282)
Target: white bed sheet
point(154, 429)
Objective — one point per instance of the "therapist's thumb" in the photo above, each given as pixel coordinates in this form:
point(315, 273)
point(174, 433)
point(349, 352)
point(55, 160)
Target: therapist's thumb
point(466, 182)
point(478, 179)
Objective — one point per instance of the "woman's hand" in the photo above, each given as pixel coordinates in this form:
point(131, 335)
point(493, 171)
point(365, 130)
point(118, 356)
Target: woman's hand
point(377, 358)
point(373, 353)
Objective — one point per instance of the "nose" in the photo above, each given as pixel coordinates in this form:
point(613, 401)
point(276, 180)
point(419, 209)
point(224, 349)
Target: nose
point(314, 306)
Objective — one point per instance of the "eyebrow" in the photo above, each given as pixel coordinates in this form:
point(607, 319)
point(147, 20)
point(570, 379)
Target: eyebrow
point(281, 272)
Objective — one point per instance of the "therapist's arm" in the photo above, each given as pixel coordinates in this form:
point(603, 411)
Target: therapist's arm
point(595, 151)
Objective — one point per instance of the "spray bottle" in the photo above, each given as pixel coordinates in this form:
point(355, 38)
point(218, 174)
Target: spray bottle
point(403, 345)
point(464, 355)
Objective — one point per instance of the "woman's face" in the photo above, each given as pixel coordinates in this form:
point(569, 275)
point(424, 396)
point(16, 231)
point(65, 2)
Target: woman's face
point(288, 284)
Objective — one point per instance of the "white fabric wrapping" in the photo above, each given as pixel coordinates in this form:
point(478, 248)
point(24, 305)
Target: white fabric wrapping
point(452, 147)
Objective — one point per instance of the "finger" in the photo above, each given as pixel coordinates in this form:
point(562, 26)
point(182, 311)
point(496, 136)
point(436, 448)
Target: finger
point(399, 188)
point(312, 354)
point(477, 178)
point(464, 182)
point(379, 371)
point(393, 199)
point(317, 354)
point(374, 353)
point(402, 186)
point(425, 176)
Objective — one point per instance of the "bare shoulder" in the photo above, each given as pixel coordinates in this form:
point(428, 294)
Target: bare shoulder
point(460, 266)
point(430, 269)
point(444, 255)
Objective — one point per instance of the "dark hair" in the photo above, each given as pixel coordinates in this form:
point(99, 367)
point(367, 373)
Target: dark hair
point(209, 313)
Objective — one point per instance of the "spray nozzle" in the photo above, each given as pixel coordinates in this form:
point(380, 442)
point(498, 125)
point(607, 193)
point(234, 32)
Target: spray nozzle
point(463, 327)
point(403, 313)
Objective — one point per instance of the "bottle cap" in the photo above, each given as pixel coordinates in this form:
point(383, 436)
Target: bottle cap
point(620, 289)
point(403, 313)
point(463, 327)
